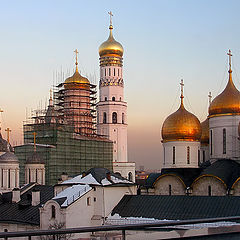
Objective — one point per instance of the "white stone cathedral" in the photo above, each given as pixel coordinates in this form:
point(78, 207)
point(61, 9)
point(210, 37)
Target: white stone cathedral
point(112, 107)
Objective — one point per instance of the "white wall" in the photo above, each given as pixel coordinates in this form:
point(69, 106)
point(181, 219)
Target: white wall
point(180, 154)
point(216, 125)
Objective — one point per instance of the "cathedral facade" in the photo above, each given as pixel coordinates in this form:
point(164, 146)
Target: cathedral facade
point(201, 158)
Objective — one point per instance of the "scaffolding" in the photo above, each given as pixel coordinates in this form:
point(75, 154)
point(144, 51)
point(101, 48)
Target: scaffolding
point(66, 134)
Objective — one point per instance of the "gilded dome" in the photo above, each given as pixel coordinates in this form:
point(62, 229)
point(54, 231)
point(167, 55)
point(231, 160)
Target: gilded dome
point(76, 81)
point(181, 126)
point(228, 102)
point(205, 132)
point(111, 46)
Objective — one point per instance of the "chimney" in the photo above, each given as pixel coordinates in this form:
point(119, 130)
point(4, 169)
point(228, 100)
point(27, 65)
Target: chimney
point(108, 175)
point(16, 195)
point(64, 176)
point(35, 198)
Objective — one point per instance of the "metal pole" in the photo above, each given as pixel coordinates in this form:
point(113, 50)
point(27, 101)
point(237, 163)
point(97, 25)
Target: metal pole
point(123, 235)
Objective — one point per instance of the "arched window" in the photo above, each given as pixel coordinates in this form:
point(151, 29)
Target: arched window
point(120, 99)
point(104, 117)
point(9, 178)
point(36, 175)
point(211, 142)
point(130, 176)
point(53, 211)
point(123, 120)
point(203, 155)
point(105, 98)
point(114, 71)
point(188, 155)
point(114, 117)
point(109, 71)
point(209, 191)
point(118, 72)
point(224, 141)
point(170, 190)
point(105, 72)
point(198, 157)
point(174, 156)
point(113, 99)
point(29, 175)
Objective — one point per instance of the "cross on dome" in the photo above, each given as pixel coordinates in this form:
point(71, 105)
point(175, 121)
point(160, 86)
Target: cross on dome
point(8, 130)
point(182, 85)
point(210, 98)
point(110, 15)
point(230, 55)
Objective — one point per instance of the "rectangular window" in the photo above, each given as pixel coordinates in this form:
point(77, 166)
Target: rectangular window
point(198, 157)
point(203, 156)
point(209, 191)
point(170, 190)
point(114, 71)
point(109, 71)
point(174, 155)
point(188, 155)
point(224, 141)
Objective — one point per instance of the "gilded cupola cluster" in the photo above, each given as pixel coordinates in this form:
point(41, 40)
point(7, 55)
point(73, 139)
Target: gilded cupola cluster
point(228, 102)
point(181, 125)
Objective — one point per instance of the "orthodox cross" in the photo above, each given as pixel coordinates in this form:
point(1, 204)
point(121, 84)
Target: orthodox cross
point(182, 84)
point(230, 55)
point(8, 130)
point(34, 140)
point(76, 51)
point(110, 14)
point(210, 98)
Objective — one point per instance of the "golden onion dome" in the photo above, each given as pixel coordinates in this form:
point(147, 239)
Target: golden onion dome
point(205, 132)
point(76, 80)
point(111, 46)
point(228, 102)
point(181, 126)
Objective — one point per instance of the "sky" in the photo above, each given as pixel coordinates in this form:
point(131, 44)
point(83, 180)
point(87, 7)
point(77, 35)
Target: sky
point(164, 41)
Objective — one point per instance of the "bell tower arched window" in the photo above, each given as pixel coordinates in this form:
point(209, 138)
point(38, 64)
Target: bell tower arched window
point(104, 117)
point(114, 117)
point(123, 120)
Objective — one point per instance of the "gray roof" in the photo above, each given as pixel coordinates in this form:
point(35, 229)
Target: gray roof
point(4, 146)
point(35, 158)
point(23, 211)
point(177, 207)
point(8, 157)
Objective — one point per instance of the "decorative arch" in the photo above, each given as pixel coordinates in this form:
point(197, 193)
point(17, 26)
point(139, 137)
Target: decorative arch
point(169, 174)
point(130, 176)
point(114, 117)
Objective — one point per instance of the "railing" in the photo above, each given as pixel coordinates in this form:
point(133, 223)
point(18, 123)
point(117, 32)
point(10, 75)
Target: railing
point(123, 228)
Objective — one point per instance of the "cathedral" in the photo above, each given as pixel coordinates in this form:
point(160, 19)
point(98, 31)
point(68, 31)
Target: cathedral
point(75, 132)
point(201, 158)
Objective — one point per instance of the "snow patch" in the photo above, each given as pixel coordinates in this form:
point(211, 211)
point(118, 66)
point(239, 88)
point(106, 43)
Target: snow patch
point(89, 179)
point(72, 193)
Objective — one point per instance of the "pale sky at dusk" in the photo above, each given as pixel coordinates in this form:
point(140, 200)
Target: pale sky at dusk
point(164, 41)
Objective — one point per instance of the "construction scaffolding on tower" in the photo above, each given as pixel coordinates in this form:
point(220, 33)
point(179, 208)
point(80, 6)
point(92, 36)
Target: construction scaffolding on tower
point(66, 134)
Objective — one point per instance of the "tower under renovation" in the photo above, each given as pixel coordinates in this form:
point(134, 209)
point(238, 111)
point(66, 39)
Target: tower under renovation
point(65, 132)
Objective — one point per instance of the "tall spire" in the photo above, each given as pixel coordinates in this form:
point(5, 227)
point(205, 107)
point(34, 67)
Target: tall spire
point(182, 85)
point(76, 51)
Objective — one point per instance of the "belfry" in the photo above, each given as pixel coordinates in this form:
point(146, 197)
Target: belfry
point(112, 107)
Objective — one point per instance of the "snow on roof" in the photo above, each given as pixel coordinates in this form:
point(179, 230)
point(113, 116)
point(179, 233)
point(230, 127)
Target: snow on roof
point(89, 179)
point(106, 182)
point(72, 194)
point(116, 219)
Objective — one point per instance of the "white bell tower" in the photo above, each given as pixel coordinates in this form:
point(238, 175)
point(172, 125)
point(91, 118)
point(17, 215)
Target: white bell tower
point(112, 107)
